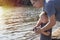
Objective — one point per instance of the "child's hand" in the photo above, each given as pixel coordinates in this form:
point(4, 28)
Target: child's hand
point(37, 30)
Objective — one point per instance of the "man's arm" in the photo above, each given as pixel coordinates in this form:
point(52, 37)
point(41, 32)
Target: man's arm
point(37, 3)
point(50, 24)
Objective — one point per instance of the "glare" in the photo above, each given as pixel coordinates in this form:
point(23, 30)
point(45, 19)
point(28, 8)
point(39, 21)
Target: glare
point(1, 21)
point(1, 11)
point(47, 1)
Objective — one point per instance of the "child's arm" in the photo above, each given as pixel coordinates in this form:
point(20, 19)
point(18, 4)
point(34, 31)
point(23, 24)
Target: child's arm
point(46, 33)
point(38, 23)
point(40, 19)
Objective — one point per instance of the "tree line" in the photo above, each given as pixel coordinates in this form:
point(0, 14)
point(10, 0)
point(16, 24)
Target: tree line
point(15, 2)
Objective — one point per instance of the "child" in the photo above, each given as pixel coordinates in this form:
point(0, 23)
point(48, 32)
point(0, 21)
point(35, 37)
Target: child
point(43, 20)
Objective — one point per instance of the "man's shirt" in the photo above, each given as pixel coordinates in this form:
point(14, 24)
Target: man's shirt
point(52, 7)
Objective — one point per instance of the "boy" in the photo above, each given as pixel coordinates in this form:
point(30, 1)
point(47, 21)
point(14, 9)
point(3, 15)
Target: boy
point(43, 20)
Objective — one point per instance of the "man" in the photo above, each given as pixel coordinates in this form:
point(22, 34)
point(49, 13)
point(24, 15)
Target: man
point(52, 9)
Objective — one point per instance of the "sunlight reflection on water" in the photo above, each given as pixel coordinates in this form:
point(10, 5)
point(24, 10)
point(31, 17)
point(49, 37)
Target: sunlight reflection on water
point(12, 29)
point(1, 21)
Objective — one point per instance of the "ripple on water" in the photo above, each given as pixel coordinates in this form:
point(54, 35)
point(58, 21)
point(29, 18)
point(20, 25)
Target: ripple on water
point(16, 30)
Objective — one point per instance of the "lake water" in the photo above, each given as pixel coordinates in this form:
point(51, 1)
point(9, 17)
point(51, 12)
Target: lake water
point(17, 23)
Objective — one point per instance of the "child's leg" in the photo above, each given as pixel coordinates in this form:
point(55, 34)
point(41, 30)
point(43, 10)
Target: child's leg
point(44, 37)
point(46, 33)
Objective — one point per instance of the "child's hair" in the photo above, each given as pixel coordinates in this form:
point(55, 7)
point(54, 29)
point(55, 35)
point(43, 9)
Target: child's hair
point(43, 13)
point(43, 17)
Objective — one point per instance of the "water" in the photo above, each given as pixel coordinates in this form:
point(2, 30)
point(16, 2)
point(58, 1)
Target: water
point(17, 23)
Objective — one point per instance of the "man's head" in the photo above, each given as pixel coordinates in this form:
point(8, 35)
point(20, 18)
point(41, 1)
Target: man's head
point(37, 3)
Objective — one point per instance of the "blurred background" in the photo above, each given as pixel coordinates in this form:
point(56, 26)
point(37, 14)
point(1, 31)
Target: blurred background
point(18, 18)
point(15, 2)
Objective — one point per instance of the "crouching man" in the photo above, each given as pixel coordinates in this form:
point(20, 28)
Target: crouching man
point(48, 23)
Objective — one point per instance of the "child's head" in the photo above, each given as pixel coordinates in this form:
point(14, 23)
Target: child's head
point(37, 3)
point(44, 17)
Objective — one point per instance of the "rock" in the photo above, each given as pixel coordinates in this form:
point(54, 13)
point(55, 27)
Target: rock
point(56, 33)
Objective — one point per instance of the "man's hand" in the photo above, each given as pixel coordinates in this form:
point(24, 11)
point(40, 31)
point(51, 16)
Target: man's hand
point(37, 3)
point(37, 30)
